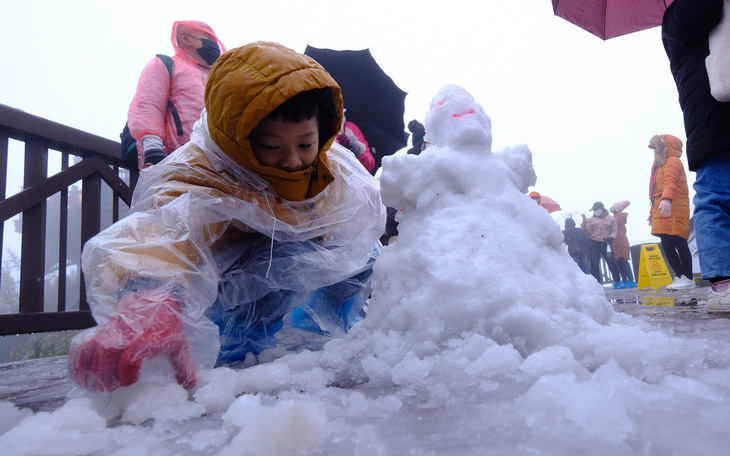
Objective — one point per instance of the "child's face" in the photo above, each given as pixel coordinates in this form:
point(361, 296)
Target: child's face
point(285, 145)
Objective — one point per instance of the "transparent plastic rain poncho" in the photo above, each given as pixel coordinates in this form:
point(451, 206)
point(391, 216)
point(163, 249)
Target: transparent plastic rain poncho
point(189, 224)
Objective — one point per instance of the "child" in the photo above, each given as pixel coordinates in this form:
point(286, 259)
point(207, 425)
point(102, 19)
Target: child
point(257, 215)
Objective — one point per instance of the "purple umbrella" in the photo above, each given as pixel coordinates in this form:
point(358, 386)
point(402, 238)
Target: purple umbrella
point(611, 18)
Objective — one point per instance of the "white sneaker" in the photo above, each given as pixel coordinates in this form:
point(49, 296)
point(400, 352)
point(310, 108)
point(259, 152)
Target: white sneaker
point(674, 283)
point(685, 283)
point(719, 301)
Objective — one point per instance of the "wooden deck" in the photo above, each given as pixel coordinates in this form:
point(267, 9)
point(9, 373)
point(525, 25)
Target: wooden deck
point(41, 384)
point(37, 384)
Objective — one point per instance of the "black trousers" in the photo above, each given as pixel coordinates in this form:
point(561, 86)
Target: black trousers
point(678, 254)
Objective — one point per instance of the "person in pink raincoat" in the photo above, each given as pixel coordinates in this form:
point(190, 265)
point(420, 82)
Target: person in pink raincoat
point(352, 138)
point(165, 106)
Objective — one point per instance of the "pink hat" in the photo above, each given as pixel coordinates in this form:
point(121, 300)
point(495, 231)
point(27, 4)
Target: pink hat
point(621, 205)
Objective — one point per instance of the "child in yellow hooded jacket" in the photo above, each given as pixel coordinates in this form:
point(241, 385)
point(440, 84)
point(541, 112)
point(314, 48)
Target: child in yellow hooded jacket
point(258, 215)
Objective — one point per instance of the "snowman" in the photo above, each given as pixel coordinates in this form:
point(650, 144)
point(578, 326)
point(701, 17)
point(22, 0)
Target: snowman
point(474, 254)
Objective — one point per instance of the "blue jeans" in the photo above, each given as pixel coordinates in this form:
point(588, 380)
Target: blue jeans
point(596, 250)
point(712, 215)
point(249, 326)
point(582, 261)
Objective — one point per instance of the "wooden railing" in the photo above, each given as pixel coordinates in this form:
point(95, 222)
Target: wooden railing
point(41, 285)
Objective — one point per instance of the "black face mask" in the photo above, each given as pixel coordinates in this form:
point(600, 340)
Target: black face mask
point(209, 52)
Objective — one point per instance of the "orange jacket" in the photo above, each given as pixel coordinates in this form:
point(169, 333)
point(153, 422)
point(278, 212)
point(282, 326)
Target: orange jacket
point(620, 246)
point(669, 182)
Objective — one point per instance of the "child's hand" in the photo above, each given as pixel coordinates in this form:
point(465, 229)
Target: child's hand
point(147, 326)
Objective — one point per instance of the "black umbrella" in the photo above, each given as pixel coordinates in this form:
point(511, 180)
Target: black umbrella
point(373, 101)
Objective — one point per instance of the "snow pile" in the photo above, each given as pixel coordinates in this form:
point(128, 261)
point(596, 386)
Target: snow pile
point(482, 337)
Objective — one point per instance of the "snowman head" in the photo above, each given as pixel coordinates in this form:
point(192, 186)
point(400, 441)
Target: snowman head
point(456, 119)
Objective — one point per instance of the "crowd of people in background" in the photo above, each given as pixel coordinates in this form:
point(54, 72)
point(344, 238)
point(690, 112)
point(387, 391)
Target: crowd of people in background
point(603, 236)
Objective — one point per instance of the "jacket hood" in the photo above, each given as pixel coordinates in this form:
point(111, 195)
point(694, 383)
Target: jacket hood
point(194, 25)
point(619, 206)
point(249, 82)
point(535, 196)
point(664, 146)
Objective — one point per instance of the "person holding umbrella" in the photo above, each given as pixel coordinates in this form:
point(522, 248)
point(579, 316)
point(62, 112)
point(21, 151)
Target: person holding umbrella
point(536, 197)
point(694, 33)
point(544, 202)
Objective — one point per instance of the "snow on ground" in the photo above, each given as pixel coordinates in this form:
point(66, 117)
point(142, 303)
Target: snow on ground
point(482, 337)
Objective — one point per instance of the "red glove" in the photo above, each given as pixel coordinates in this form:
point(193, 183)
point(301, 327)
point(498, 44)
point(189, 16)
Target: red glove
point(343, 139)
point(147, 326)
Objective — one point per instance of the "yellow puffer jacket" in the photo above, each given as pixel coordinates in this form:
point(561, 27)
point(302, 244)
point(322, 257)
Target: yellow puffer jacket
point(236, 105)
point(669, 182)
point(195, 212)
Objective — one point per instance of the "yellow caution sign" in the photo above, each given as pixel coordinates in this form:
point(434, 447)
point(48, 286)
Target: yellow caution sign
point(657, 301)
point(653, 271)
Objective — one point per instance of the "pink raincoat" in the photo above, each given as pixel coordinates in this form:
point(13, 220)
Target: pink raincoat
point(149, 113)
point(366, 158)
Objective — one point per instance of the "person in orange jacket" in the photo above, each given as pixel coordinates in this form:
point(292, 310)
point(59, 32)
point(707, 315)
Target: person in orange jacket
point(669, 215)
point(537, 197)
point(165, 106)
